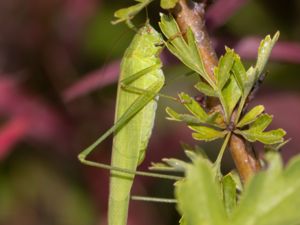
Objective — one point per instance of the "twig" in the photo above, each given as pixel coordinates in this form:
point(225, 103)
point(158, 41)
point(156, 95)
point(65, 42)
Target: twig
point(191, 14)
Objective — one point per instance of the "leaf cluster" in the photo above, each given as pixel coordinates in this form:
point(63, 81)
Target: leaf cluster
point(232, 86)
point(270, 197)
point(128, 13)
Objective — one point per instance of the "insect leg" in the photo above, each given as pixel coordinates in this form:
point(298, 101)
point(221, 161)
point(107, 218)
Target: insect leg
point(135, 107)
point(153, 199)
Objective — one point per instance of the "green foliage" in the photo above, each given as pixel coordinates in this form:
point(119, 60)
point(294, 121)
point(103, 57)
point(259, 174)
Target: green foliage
point(182, 221)
point(256, 131)
point(229, 193)
point(185, 51)
point(204, 196)
point(168, 4)
point(200, 116)
point(205, 89)
point(232, 87)
point(222, 72)
point(251, 116)
point(193, 107)
point(207, 127)
point(239, 73)
point(127, 14)
point(264, 52)
point(206, 133)
point(229, 96)
point(268, 137)
point(270, 197)
point(199, 195)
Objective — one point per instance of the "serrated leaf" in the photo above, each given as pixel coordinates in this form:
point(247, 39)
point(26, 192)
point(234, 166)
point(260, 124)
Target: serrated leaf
point(264, 51)
point(186, 51)
point(193, 106)
point(168, 4)
point(172, 114)
point(199, 115)
point(272, 197)
point(261, 123)
point(224, 68)
point(231, 94)
point(205, 89)
point(193, 153)
point(235, 176)
point(275, 147)
point(251, 75)
point(229, 193)
point(255, 132)
point(216, 119)
point(239, 73)
point(251, 116)
point(127, 14)
point(207, 133)
point(169, 164)
point(176, 164)
point(269, 137)
point(199, 196)
point(188, 119)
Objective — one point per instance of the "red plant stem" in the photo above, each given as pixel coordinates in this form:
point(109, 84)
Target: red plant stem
point(191, 14)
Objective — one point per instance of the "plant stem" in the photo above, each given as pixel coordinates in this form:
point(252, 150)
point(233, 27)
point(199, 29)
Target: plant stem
point(191, 14)
point(222, 150)
point(244, 158)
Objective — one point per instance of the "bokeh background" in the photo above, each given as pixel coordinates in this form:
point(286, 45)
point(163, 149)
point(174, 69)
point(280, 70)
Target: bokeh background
point(59, 63)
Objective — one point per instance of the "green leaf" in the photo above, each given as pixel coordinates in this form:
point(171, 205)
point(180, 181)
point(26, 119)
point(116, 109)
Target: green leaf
point(272, 197)
point(216, 119)
point(275, 147)
point(127, 14)
point(160, 167)
point(207, 133)
point(169, 164)
point(269, 137)
point(199, 196)
point(193, 153)
point(199, 114)
point(231, 94)
point(239, 73)
point(235, 176)
point(177, 164)
point(168, 4)
point(229, 193)
point(182, 221)
point(264, 52)
point(223, 70)
point(255, 132)
point(186, 51)
point(251, 116)
point(193, 106)
point(251, 75)
point(188, 119)
point(261, 123)
point(205, 89)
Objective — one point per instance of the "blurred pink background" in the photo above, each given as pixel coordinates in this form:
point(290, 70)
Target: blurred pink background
point(59, 64)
